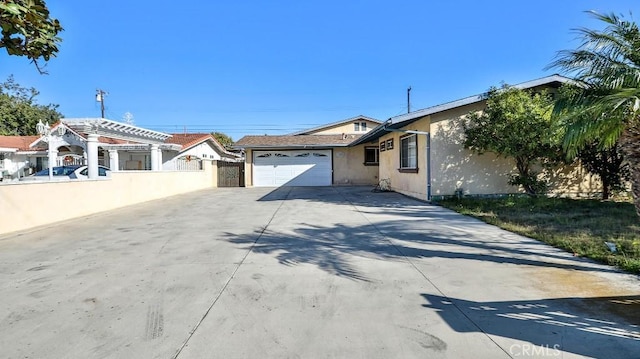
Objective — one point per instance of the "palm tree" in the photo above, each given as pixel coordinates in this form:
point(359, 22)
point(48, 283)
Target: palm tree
point(606, 66)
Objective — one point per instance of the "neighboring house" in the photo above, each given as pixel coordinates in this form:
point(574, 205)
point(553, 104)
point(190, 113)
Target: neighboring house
point(419, 154)
point(118, 146)
point(194, 147)
point(320, 156)
point(17, 158)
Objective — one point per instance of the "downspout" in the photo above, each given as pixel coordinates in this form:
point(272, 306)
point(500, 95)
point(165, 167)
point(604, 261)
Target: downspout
point(428, 146)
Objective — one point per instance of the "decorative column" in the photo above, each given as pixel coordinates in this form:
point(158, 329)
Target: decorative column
point(92, 155)
point(159, 159)
point(154, 157)
point(114, 160)
point(52, 156)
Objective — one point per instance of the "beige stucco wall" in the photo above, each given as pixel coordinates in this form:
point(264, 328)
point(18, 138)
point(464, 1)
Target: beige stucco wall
point(248, 168)
point(30, 204)
point(411, 184)
point(349, 168)
point(345, 128)
point(453, 166)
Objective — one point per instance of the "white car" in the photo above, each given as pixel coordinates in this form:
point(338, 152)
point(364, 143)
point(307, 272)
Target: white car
point(67, 172)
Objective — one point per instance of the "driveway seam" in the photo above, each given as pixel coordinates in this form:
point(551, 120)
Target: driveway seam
point(406, 258)
point(224, 287)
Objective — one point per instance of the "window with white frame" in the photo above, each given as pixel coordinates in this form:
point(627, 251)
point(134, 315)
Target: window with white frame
point(363, 126)
point(409, 153)
point(356, 126)
point(371, 156)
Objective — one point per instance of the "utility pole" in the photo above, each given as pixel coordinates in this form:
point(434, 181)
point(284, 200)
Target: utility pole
point(409, 99)
point(100, 98)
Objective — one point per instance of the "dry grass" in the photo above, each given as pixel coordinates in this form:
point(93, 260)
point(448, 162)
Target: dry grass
point(579, 226)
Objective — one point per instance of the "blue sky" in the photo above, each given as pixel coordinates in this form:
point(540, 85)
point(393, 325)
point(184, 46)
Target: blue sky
point(274, 67)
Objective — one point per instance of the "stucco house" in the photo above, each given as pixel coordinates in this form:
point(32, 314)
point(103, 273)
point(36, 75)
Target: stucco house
point(118, 146)
point(195, 146)
point(420, 154)
point(320, 156)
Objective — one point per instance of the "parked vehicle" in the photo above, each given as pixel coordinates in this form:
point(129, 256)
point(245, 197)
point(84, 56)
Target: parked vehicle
point(67, 172)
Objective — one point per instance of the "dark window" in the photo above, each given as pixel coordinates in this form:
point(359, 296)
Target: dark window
point(356, 126)
point(371, 155)
point(363, 126)
point(409, 153)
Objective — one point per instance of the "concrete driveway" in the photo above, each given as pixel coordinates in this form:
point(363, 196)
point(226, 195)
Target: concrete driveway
point(304, 273)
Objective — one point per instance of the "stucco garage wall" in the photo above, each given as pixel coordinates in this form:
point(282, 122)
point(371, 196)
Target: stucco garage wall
point(248, 168)
point(349, 168)
point(27, 205)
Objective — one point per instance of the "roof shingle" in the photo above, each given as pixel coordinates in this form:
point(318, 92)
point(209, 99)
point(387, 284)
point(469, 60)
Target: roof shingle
point(295, 141)
point(21, 143)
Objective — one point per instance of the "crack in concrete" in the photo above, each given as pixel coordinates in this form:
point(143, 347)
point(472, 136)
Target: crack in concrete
point(224, 287)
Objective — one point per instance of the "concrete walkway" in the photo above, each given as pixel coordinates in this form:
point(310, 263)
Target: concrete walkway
point(304, 273)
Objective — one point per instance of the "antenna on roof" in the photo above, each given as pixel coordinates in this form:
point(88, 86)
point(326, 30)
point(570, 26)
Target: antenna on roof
point(409, 99)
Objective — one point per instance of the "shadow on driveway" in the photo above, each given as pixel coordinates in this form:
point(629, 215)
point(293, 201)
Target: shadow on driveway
point(410, 228)
point(549, 325)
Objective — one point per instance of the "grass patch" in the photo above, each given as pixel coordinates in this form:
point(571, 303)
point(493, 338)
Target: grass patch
point(580, 226)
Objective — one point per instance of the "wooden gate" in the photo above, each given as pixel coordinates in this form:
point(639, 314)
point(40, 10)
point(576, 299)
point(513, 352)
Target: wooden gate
point(230, 174)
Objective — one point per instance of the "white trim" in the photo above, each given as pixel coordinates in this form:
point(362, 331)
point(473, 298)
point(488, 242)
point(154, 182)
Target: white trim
point(113, 129)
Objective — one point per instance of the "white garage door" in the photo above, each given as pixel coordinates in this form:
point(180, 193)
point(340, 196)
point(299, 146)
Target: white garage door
point(292, 168)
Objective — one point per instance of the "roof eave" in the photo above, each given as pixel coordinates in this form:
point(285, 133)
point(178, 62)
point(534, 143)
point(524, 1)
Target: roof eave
point(271, 147)
point(416, 115)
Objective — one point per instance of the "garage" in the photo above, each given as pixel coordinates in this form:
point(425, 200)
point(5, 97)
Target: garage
point(292, 168)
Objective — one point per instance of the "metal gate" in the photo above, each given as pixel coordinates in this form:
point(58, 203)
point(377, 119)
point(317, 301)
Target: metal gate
point(230, 174)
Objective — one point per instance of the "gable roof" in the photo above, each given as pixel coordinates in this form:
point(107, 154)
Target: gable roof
point(189, 140)
point(408, 118)
point(17, 143)
point(298, 141)
point(334, 124)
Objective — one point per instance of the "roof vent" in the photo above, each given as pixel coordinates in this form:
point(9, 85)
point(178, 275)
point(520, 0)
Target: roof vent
point(344, 136)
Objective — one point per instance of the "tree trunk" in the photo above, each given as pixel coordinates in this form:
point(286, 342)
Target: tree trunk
point(606, 190)
point(523, 170)
point(630, 147)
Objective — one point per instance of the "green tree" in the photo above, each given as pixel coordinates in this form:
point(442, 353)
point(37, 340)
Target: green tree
point(19, 110)
point(516, 124)
point(224, 139)
point(608, 164)
point(28, 30)
point(607, 66)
